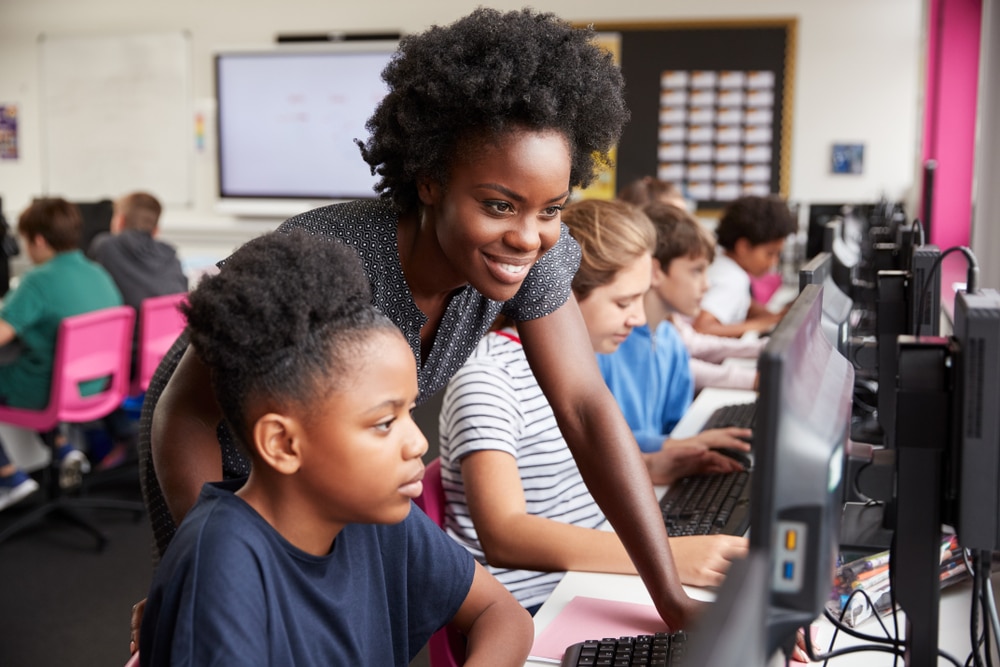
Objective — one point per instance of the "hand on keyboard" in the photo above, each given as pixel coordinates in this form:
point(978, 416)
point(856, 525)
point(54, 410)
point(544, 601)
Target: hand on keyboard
point(716, 438)
point(677, 461)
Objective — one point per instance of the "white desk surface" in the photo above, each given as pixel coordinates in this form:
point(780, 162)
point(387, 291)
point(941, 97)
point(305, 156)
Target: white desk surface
point(954, 608)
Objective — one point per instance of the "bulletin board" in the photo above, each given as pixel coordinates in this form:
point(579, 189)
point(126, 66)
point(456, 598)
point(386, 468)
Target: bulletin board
point(116, 116)
point(711, 106)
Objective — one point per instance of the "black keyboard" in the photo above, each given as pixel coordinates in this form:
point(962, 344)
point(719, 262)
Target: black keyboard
point(741, 415)
point(708, 504)
point(662, 649)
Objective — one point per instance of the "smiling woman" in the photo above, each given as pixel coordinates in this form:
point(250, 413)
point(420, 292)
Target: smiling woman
point(488, 125)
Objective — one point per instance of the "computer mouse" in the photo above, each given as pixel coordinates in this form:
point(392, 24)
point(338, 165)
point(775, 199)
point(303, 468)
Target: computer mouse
point(743, 458)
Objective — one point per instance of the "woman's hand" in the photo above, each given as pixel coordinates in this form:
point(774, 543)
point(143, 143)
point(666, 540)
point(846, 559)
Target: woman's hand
point(136, 622)
point(703, 560)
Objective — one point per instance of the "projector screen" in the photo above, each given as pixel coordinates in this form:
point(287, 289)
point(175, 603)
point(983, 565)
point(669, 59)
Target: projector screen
point(288, 118)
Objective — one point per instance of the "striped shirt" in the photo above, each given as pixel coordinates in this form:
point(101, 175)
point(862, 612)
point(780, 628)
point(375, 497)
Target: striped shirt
point(494, 403)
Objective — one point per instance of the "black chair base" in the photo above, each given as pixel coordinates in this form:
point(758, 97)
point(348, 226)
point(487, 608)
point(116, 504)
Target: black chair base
point(68, 508)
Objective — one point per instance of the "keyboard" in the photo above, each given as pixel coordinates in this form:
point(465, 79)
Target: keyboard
point(662, 649)
point(741, 415)
point(708, 504)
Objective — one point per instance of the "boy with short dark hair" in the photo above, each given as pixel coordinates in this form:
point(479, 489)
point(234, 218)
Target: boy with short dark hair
point(751, 233)
point(318, 557)
point(684, 251)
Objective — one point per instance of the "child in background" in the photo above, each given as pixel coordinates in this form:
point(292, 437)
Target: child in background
point(515, 497)
point(684, 250)
point(647, 190)
point(650, 372)
point(317, 558)
point(62, 283)
point(752, 233)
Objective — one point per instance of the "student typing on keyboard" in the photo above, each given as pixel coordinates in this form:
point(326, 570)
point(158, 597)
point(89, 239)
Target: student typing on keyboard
point(515, 497)
point(650, 372)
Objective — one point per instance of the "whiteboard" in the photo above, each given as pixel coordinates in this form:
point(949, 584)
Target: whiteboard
point(116, 116)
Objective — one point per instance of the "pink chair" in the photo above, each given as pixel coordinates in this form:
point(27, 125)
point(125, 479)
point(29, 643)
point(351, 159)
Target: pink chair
point(446, 646)
point(94, 346)
point(160, 323)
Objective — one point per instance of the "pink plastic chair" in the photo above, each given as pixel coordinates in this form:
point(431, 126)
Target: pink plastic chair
point(91, 346)
point(160, 323)
point(446, 646)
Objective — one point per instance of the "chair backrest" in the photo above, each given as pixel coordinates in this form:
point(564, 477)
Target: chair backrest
point(432, 500)
point(90, 347)
point(446, 646)
point(160, 323)
point(90, 371)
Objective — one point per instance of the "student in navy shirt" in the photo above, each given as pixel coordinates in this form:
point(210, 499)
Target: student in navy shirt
point(318, 557)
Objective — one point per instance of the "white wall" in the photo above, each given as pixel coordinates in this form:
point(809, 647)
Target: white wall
point(986, 195)
point(858, 78)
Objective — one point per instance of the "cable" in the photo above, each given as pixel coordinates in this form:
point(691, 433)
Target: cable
point(984, 566)
point(992, 607)
point(918, 227)
point(971, 281)
point(973, 614)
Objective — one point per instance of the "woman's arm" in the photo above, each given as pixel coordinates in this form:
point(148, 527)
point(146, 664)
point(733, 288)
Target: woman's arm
point(184, 445)
point(499, 631)
point(562, 360)
point(512, 538)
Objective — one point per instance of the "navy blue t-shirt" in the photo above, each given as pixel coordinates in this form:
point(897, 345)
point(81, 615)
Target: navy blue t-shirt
point(231, 590)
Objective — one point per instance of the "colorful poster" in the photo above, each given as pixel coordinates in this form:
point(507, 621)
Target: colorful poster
point(8, 131)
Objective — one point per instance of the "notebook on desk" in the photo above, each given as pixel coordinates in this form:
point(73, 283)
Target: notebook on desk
point(730, 634)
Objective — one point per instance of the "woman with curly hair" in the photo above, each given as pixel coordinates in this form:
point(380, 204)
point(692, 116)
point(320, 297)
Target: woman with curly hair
point(488, 125)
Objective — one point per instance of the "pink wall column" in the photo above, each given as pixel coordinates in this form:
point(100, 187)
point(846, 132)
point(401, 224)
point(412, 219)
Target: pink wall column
point(950, 115)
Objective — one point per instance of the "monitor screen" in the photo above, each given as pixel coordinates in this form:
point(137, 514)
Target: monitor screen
point(837, 306)
point(803, 421)
point(288, 119)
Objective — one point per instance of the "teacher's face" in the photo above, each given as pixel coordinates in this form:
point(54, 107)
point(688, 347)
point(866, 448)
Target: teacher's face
point(500, 210)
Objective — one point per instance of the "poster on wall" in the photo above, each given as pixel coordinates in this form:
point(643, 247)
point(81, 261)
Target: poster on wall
point(710, 104)
point(715, 132)
point(8, 131)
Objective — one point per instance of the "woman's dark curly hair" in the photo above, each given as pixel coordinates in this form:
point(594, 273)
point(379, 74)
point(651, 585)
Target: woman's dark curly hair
point(281, 321)
point(485, 74)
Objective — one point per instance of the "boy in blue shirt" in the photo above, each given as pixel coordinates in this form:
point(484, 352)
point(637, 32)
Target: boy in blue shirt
point(317, 558)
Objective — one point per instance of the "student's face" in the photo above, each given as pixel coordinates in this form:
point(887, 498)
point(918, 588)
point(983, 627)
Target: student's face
point(500, 210)
point(361, 457)
point(683, 284)
point(759, 259)
point(611, 311)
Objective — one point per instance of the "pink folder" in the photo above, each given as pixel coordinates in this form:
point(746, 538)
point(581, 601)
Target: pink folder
point(591, 618)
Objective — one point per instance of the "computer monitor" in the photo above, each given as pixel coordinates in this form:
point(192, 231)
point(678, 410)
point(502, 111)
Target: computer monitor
point(837, 306)
point(947, 460)
point(802, 424)
point(909, 303)
point(732, 632)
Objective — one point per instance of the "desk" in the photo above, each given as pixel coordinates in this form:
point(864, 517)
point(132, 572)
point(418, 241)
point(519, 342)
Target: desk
point(954, 608)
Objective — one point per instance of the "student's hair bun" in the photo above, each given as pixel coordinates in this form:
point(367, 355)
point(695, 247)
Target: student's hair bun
point(274, 319)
